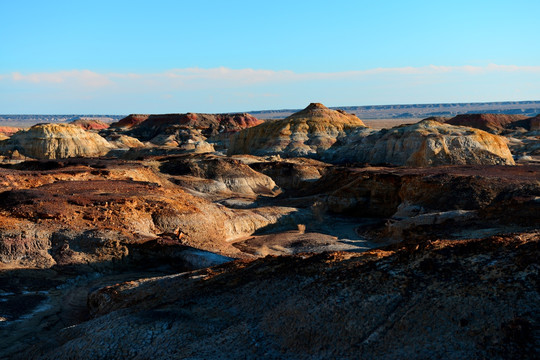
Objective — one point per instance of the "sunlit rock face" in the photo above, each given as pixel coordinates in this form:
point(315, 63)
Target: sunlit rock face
point(56, 141)
point(427, 143)
point(309, 133)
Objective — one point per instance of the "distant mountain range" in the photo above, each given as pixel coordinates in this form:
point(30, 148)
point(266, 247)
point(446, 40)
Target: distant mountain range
point(528, 108)
point(27, 120)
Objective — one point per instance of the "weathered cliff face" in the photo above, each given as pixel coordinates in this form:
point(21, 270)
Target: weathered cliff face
point(308, 133)
point(493, 123)
point(56, 141)
point(427, 143)
point(92, 212)
point(444, 299)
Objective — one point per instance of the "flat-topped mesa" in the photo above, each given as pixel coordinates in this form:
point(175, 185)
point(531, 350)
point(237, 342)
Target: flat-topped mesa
point(308, 133)
point(55, 141)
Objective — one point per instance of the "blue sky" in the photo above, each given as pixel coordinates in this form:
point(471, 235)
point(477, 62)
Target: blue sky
point(122, 57)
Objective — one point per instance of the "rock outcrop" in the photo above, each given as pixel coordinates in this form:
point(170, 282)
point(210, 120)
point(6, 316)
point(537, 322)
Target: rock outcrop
point(443, 299)
point(50, 214)
point(210, 174)
point(427, 143)
point(307, 133)
point(413, 202)
point(55, 141)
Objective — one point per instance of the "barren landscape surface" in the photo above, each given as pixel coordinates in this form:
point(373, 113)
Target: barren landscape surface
point(320, 235)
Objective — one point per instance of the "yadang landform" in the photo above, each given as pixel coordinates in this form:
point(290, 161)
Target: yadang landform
point(309, 234)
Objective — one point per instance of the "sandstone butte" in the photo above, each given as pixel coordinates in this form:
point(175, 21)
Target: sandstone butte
point(427, 143)
point(493, 123)
point(306, 133)
point(55, 141)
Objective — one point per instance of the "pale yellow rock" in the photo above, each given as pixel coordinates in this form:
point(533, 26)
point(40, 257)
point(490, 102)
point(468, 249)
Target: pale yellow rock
point(427, 143)
point(124, 141)
point(306, 133)
point(56, 141)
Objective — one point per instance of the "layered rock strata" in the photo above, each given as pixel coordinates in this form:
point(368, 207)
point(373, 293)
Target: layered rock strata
point(308, 133)
point(427, 143)
point(56, 141)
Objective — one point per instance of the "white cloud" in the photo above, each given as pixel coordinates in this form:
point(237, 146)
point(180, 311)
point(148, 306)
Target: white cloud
point(225, 89)
point(83, 77)
point(246, 76)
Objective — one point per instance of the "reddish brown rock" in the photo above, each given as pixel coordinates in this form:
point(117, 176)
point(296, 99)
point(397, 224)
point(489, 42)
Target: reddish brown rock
point(130, 121)
point(146, 127)
point(493, 123)
point(90, 124)
point(8, 130)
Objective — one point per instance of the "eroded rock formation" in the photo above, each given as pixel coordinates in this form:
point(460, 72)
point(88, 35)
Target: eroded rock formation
point(445, 299)
point(308, 133)
point(427, 143)
point(56, 141)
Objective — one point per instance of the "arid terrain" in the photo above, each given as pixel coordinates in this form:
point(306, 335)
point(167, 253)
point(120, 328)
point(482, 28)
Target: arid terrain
point(319, 235)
